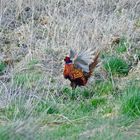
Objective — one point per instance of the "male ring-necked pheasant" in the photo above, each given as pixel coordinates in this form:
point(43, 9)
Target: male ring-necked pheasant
point(79, 67)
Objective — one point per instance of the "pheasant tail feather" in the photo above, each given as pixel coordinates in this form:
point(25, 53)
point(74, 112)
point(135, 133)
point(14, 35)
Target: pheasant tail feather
point(93, 65)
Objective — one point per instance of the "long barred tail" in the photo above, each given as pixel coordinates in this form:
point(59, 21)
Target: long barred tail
point(93, 65)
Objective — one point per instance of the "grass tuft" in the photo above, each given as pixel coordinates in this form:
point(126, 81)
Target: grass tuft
point(98, 101)
point(116, 66)
point(131, 102)
point(122, 46)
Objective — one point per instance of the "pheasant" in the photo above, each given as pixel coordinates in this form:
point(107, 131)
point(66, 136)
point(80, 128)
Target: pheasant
point(79, 67)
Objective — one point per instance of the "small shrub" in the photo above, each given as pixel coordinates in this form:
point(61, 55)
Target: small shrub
point(116, 66)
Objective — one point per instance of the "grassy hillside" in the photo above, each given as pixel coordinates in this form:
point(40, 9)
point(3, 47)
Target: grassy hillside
point(36, 102)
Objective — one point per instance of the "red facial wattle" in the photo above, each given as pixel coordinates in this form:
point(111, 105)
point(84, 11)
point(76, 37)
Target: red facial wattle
point(67, 59)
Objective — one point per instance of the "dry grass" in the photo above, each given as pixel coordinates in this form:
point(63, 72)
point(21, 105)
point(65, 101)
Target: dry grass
point(35, 36)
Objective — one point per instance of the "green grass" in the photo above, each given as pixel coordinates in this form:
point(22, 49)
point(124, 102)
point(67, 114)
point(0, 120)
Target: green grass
point(30, 77)
point(35, 104)
point(131, 101)
point(91, 112)
point(15, 109)
point(77, 93)
point(27, 79)
point(122, 46)
point(98, 101)
point(2, 66)
point(82, 117)
point(43, 106)
point(121, 49)
point(104, 87)
point(18, 130)
point(32, 63)
point(116, 66)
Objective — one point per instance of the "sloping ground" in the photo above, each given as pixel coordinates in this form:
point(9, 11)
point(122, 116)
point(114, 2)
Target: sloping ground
point(36, 102)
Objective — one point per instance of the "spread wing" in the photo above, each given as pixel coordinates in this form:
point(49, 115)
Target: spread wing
point(72, 54)
point(82, 59)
